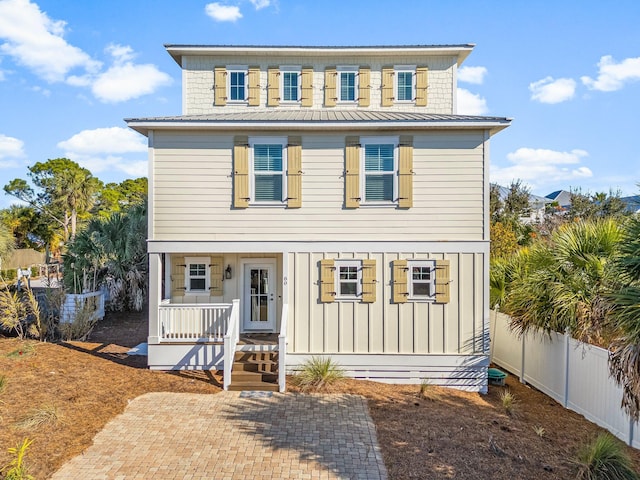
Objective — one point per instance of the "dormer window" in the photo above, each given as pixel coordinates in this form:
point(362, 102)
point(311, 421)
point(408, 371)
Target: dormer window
point(237, 78)
point(347, 84)
point(405, 84)
point(290, 84)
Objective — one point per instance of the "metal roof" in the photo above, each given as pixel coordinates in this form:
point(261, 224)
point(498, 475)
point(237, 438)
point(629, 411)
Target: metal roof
point(318, 119)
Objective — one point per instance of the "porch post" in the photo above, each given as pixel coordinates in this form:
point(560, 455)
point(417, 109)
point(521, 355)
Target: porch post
point(155, 294)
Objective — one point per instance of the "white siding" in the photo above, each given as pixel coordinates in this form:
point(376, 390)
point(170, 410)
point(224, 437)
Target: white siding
point(198, 80)
point(193, 193)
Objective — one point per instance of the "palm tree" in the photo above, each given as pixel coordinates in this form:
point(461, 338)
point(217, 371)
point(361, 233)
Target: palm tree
point(561, 285)
point(6, 243)
point(624, 357)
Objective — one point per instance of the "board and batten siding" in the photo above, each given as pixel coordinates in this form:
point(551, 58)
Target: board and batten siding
point(192, 194)
point(383, 327)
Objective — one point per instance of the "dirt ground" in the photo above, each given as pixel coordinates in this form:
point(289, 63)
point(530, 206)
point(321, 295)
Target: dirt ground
point(451, 434)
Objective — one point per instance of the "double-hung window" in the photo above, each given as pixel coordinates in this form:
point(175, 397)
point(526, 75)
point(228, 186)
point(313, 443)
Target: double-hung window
point(422, 279)
point(380, 167)
point(291, 85)
point(347, 84)
point(197, 275)
point(237, 87)
point(348, 279)
point(405, 83)
point(268, 160)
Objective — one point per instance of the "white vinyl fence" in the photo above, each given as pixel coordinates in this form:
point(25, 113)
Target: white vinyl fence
point(573, 373)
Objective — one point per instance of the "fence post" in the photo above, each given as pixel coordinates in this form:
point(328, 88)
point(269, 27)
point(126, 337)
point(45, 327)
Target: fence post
point(522, 341)
point(565, 399)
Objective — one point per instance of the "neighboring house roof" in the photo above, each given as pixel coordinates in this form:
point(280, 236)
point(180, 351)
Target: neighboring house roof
point(632, 203)
point(562, 197)
point(24, 257)
point(313, 119)
point(535, 201)
point(459, 50)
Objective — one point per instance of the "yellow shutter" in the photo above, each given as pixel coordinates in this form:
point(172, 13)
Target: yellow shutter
point(215, 275)
point(330, 93)
point(364, 87)
point(241, 171)
point(273, 87)
point(400, 290)
point(327, 281)
point(294, 173)
point(352, 173)
point(178, 269)
point(405, 172)
point(307, 87)
point(254, 86)
point(421, 86)
point(220, 86)
point(442, 281)
point(387, 86)
point(368, 281)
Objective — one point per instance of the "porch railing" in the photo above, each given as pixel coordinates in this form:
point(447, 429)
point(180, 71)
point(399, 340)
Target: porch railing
point(190, 322)
point(282, 349)
point(231, 338)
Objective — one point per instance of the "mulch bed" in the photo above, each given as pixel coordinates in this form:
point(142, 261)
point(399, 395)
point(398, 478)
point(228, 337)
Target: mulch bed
point(451, 434)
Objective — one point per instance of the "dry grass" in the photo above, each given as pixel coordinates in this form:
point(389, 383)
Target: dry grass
point(460, 436)
point(39, 417)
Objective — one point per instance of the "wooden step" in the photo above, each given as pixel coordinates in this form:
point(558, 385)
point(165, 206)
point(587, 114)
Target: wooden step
point(260, 386)
point(244, 376)
point(255, 357)
point(255, 370)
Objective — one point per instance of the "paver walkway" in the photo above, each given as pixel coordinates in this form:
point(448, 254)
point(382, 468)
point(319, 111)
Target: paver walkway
point(234, 436)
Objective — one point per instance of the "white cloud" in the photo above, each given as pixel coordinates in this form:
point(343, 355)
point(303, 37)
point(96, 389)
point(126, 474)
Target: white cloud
point(104, 141)
point(11, 149)
point(44, 91)
point(613, 76)
point(549, 90)
point(102, 149)
point(539, 166)
point(471, 103)
point(260, 4)
point(472, 74)
point(36, 41)
point(223, 13)
point(123, 80)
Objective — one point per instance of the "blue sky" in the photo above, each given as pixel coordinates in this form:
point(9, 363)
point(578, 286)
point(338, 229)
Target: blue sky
point(567, 72)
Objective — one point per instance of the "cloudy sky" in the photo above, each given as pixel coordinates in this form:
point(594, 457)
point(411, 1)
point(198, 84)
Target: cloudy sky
point(567, 72)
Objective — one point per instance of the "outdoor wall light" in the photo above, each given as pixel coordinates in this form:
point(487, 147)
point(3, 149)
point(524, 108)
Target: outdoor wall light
point(227, 273)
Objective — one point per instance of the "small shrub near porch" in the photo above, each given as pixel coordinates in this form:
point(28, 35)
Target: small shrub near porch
point(317, 374)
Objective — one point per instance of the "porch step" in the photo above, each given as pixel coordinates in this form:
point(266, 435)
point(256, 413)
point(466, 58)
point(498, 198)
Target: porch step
point(255, 371)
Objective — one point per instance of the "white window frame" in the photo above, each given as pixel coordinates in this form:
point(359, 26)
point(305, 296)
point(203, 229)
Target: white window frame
point(207, 276)
point(238, 69)
point(348, 263)
point(347, 69)
point(395, 140)
point(290, 69)
point(404, 69)
point(431, 264)
point(283, 141)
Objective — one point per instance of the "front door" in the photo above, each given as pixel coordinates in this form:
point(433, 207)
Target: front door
point(259, 302)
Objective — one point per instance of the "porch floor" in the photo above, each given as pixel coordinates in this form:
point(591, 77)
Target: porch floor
point(258, 339)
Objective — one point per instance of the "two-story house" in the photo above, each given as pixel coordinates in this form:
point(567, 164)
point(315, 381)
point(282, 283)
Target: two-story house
point(320, 201)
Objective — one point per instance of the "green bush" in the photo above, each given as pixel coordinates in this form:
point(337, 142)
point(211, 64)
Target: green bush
point(9, 274)
point(318, 373)
point(605, 458)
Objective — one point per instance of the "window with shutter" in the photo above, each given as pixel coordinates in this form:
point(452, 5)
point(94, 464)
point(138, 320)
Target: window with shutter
point(364, 87)
point(306, 90)
point(379, 167)
point(421, 86)
point(267, 170)
point(220, 86)
point(422, 279)
point(197, 276)
point(290, 85)
point(327, 281)
point(443, 281)
point(347, 84)
point(400, 287)
point(241, 172)
point(254, 86)
point(405, 172)
point(237, 84)
point(330, 80)
point(294, 173)
point(352, 173)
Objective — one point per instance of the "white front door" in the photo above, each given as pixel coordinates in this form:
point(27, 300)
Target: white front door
point(259, 296)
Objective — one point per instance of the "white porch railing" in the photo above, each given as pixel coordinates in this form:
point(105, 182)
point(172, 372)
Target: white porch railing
point(190, 322)
point(282, 349)
point(231, 338)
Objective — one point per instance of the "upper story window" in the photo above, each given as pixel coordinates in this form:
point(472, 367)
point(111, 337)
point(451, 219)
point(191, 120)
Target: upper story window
point(405, 90)
point(237, 78)
point(197, 275)
point(291, 91)
point(380, 167)
point(347, 84)
point(268, 166)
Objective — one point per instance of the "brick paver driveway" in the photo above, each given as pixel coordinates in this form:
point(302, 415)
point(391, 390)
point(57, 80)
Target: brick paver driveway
point(234, 436)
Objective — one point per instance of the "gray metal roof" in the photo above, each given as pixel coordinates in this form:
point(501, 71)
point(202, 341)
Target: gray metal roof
point(321, 116)
point(323, 47)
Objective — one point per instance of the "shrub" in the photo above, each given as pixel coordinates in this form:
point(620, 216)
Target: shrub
point(509, 402)
point(16, 469)
point(605, 458)
point(318, 373)
point(82, 324)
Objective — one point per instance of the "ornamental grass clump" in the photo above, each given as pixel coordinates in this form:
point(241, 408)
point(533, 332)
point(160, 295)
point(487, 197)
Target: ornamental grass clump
point(45, 415)
point(318, 373)
point(16, 468)
point(605, 458)
point(509, 402)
